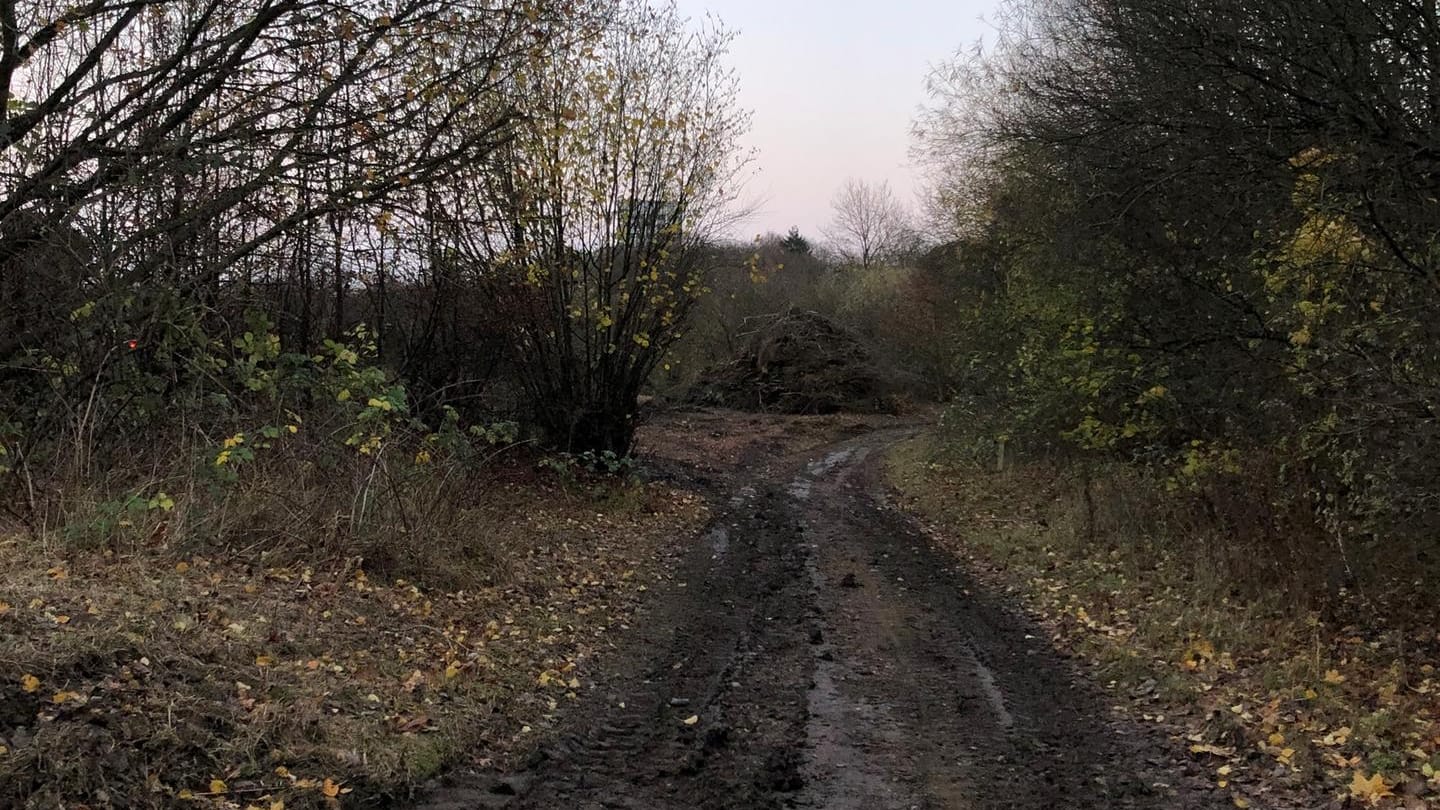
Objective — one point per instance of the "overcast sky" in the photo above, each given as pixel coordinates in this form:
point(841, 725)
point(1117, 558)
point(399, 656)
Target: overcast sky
point(834, 86)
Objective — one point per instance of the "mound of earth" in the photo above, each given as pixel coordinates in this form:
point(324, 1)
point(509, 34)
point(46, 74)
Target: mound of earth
point(797, 362)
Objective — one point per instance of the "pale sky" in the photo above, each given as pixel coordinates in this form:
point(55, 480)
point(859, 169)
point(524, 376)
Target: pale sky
point(834, 86)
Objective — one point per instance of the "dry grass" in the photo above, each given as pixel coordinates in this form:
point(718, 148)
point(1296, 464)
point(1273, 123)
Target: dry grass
point(1283, 684)
point(141, 670)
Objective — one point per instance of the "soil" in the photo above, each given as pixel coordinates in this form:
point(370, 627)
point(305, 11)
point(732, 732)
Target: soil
point(797, 362)
point(814, 651)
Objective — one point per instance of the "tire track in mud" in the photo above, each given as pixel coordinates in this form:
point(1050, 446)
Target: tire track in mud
point(833, 660)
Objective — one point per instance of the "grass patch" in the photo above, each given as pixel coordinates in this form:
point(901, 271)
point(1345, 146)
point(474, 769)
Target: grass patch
point(153, 673)
point(1279, 690)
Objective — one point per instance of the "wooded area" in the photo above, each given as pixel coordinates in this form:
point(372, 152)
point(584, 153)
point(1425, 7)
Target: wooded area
point(205, 202)
point(1202, 237)
point(349, 316)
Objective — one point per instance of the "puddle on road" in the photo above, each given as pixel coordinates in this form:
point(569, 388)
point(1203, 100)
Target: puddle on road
point(743, 494)
point(803, 485)
point(993, 693)
point(719, 539)
point(825, 465)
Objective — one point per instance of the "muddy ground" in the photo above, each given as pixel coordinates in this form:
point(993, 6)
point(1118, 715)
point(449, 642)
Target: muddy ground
point(816, 652)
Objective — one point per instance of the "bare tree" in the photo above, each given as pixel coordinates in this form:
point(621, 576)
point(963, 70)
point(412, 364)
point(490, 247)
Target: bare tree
point(624, 165)
point(871, 226)
point(191, 160)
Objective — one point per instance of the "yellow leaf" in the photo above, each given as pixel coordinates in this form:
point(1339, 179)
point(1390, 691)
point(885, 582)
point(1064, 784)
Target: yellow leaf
point(58, 572)
point(452, 671)
point(1277, 739)
point(1334, 676)
point(4, 607)
point(60, 698)
point(181, 567)
point(330, 788)
point(1241, 802)
point(62, 619)
point(185, 794)
point(1371, 790)
point(30, 684)
point(217, 786)
point(263, 660)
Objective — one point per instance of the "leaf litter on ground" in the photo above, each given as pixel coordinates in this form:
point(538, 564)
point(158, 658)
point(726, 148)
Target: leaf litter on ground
point(227, 681)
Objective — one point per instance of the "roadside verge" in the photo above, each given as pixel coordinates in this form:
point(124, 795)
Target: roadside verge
point(1278, 706)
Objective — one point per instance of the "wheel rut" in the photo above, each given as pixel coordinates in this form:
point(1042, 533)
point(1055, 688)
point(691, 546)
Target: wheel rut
point(814, 651)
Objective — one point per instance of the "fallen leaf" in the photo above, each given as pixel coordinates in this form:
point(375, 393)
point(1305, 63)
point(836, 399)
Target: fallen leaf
point(692, 719)
point(218, 787)
point(30, 684)
point(1334, 676)
point(411, 725)
point(1370, 790)
point(330, 788)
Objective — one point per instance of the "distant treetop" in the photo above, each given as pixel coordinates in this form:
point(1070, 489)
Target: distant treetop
point(795, 243)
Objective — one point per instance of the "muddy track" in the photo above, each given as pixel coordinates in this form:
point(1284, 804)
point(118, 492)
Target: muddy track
point(827, 657)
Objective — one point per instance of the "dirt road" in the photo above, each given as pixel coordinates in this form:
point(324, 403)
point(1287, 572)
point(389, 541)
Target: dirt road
point(816, 652)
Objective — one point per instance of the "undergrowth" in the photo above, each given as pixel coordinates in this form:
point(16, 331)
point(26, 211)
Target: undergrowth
point(1288, 675)
point(309, 636)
